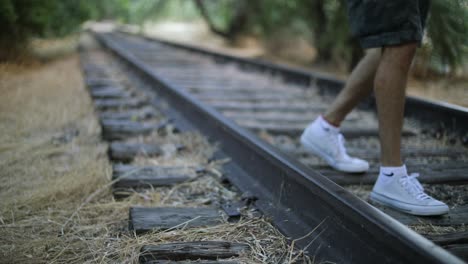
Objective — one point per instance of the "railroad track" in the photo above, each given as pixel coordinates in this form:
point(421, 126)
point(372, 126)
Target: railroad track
point(295, 189)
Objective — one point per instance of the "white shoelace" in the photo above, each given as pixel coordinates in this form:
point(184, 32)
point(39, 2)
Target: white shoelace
point(339, 141)
point(412, 185)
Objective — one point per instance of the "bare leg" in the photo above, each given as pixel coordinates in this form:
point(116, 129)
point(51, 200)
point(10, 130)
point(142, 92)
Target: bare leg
point(358, 86)
point(390, 86)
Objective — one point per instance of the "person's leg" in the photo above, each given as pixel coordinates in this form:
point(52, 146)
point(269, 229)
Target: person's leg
point(322, 137)
point(394, 187)
point(358, 86)
point(390, 85)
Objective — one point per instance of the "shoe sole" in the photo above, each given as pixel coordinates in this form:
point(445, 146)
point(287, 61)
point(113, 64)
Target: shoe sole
point(407, 208)
point(317, 151)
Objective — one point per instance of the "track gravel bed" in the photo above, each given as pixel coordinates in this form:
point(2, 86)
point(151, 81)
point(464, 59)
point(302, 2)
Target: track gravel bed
point(278, 111)
point(189, 154)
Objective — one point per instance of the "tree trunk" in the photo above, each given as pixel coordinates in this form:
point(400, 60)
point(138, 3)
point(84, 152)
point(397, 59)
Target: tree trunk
point(319, 24)
point(204, 12)
point(237, 24)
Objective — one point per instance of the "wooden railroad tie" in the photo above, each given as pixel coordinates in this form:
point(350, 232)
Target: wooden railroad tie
point(296, 130)
point(126, 152)
point(456, 243)
point(457, 216)
point(109, 92)
point(430, 173)
point(190, 262)
point(266, 106)
point(131, 103)
point(132, 114)
point(93, 83)
point(203, 251)
point(94, 69)
point(374, 153)
point(144, 219)
point(116, 129)
point(448, 239)
point(146, 176)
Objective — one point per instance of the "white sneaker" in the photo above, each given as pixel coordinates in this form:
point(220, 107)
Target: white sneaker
point(324, 140)
point(406, 194)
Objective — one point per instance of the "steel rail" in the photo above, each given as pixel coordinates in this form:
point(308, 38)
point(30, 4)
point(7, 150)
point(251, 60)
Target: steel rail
point(431, 113)
point(332, 224)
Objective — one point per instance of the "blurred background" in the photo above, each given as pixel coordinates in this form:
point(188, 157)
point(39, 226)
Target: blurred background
point(312, 34)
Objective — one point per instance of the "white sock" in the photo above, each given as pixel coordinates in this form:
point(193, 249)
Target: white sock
point(394, 171)
point(327, 125)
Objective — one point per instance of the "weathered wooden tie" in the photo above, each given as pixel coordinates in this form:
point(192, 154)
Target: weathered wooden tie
point(196, 250)
point(145, 176)
point(457, 216)
point(460, 251)
point(143, 219)
point(125, 152)
point(110, 93)
point(429, 173)
point(277, 116)
point(93, 69)
point(236, 88)
point(104, 104)
point(295, 130)
point(190, 262)
point(266, 106)
point(92, 83)
point(374, 153)
point(116, 129)
point(131, 114)
point(245, 97)
point(451, 238)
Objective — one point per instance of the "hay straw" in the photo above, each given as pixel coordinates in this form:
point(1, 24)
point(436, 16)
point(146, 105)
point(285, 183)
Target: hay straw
point(59, 207)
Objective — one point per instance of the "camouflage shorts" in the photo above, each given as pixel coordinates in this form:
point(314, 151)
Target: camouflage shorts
point(379, 23)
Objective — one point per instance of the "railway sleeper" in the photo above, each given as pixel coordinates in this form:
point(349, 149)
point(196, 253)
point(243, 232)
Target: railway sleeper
point(93, 83)
point(117, 129)
point(231, 261)
point(138, 114)
point(294, 130)
point(456, 217)
point(126, 152)
point(109, 92)
point(194, 250)
point(93, 69)
point(460, 251)
point(146, 219)
point(374, 153)
point(128, 176)
point(449, 239)
point(131, 103)
point(430, 174)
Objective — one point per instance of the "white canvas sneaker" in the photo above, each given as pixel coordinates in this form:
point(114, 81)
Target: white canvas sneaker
point(326, 141)
point(406, 194)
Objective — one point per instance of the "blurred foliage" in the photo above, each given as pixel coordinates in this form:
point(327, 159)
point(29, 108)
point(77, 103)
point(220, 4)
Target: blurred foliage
point(22, 19)
point(323, 22)
point(448, 34)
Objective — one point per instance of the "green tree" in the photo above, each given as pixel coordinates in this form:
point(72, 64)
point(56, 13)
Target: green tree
point(22, 19)
point(448, 34)
point(327, 25)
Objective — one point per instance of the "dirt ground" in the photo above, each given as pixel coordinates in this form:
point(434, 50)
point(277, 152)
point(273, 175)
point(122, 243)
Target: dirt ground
point(51, 158)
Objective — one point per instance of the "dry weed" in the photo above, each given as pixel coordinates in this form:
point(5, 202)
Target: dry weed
point(56, 201)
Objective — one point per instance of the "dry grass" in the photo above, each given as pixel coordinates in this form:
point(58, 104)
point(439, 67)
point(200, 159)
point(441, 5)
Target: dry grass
point(56, 201)
point(50, 49)
point(51, 158)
